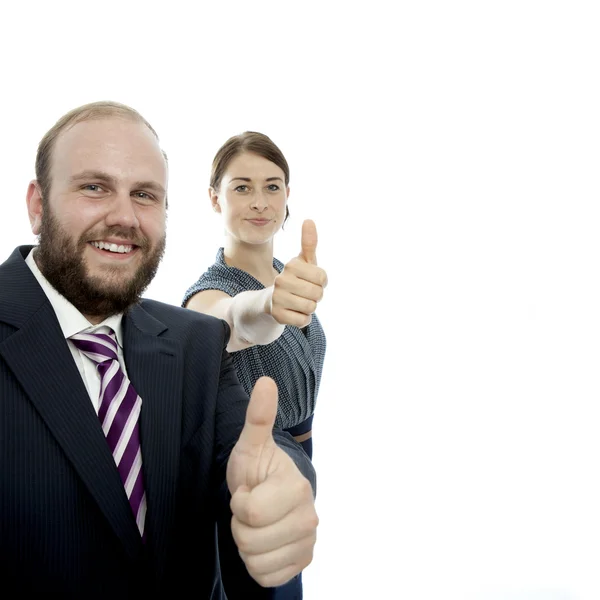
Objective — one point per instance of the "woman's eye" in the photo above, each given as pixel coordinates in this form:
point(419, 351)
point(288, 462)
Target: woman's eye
point(241, 188)
point(274, 187)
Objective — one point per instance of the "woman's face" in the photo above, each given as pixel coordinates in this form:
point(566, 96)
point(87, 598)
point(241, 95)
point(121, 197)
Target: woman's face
point(252, 198)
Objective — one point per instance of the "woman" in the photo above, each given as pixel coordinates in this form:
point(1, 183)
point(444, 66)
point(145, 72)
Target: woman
point(268, 306)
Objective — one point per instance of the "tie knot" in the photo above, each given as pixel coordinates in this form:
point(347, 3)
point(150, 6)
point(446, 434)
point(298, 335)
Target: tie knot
point(100, 347)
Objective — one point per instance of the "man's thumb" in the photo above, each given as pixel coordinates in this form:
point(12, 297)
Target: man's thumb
point(309, 242)
point(261, 413)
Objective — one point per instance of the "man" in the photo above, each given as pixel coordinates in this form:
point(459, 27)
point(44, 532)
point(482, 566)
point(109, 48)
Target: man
point(125, 433)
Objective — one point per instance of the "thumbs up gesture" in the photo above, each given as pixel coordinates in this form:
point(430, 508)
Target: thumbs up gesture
point(274, 519)
point(299, 287)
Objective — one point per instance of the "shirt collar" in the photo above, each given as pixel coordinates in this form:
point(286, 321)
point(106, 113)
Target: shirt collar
point(71, 321)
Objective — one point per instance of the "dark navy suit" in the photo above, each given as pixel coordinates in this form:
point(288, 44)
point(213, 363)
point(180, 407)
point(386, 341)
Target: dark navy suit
point(66, 528)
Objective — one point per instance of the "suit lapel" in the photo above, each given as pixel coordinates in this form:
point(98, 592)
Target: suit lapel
point(41, 360)
point(155, 367)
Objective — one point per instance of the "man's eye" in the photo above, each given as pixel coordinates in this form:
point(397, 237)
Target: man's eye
point(142, 195)
point(92, 187)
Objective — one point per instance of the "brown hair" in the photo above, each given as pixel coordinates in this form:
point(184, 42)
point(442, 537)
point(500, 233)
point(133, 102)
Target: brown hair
point(249, 141)
point(87, 112)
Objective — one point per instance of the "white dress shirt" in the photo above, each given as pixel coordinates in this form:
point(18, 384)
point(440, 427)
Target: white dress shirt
point(71, 322)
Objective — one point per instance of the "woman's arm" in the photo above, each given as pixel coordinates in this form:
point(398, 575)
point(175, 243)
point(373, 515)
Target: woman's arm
point(258, 317)
point(248, 315)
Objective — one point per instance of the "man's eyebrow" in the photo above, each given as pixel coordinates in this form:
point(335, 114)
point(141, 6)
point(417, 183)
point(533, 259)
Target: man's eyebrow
point(150, 185)
point(101, 176)
point(97, 175)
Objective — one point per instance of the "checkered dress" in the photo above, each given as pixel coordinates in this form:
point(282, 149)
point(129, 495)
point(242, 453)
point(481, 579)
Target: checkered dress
point(294, 360)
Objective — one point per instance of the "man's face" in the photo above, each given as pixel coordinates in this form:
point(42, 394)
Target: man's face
point(102, 228)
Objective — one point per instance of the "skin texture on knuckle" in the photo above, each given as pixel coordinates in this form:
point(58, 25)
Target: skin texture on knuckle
point(306, 558)
point(253, 515)
point(254, 564)
point(301, 321)
point(306, 531)
point(282, 316)
point(315, 523)
point(267, 580)
point(308, 521)
point(243, 544)
point(308, 290)
point(291, 317)
point(278, 578)
point(304, 489)
point(310, 525)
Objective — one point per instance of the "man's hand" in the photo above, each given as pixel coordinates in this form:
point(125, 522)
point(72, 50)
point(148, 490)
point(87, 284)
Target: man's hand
point(299, 287)
point(274, 520)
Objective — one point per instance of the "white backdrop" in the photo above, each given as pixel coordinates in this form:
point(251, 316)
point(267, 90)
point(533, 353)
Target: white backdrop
point(449, 153)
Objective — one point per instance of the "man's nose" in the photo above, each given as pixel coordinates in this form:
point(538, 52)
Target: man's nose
point(122, 212)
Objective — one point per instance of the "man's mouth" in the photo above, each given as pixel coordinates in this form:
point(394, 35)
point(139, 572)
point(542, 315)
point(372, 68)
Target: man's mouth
point(111, 247)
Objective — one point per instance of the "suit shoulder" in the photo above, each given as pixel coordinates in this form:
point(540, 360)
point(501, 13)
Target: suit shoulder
point(176, 316)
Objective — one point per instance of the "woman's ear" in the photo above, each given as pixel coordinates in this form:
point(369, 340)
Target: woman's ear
point(214, 199)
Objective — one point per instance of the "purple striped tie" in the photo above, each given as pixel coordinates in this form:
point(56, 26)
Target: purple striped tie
point(119, 411)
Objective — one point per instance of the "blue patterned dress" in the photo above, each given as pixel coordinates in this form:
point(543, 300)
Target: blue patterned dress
point(294, 360)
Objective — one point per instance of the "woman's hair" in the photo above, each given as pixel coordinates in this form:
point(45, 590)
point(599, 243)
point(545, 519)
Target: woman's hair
point(249, 141)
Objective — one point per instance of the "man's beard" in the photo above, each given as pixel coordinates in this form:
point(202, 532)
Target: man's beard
point(60, 259)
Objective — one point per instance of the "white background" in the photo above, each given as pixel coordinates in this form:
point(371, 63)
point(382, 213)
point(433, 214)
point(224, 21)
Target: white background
point(449, 153)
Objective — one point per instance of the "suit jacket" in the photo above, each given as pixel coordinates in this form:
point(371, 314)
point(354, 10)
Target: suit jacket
point(66, 528)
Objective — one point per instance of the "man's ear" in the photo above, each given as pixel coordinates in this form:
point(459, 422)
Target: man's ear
point(34, 206)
